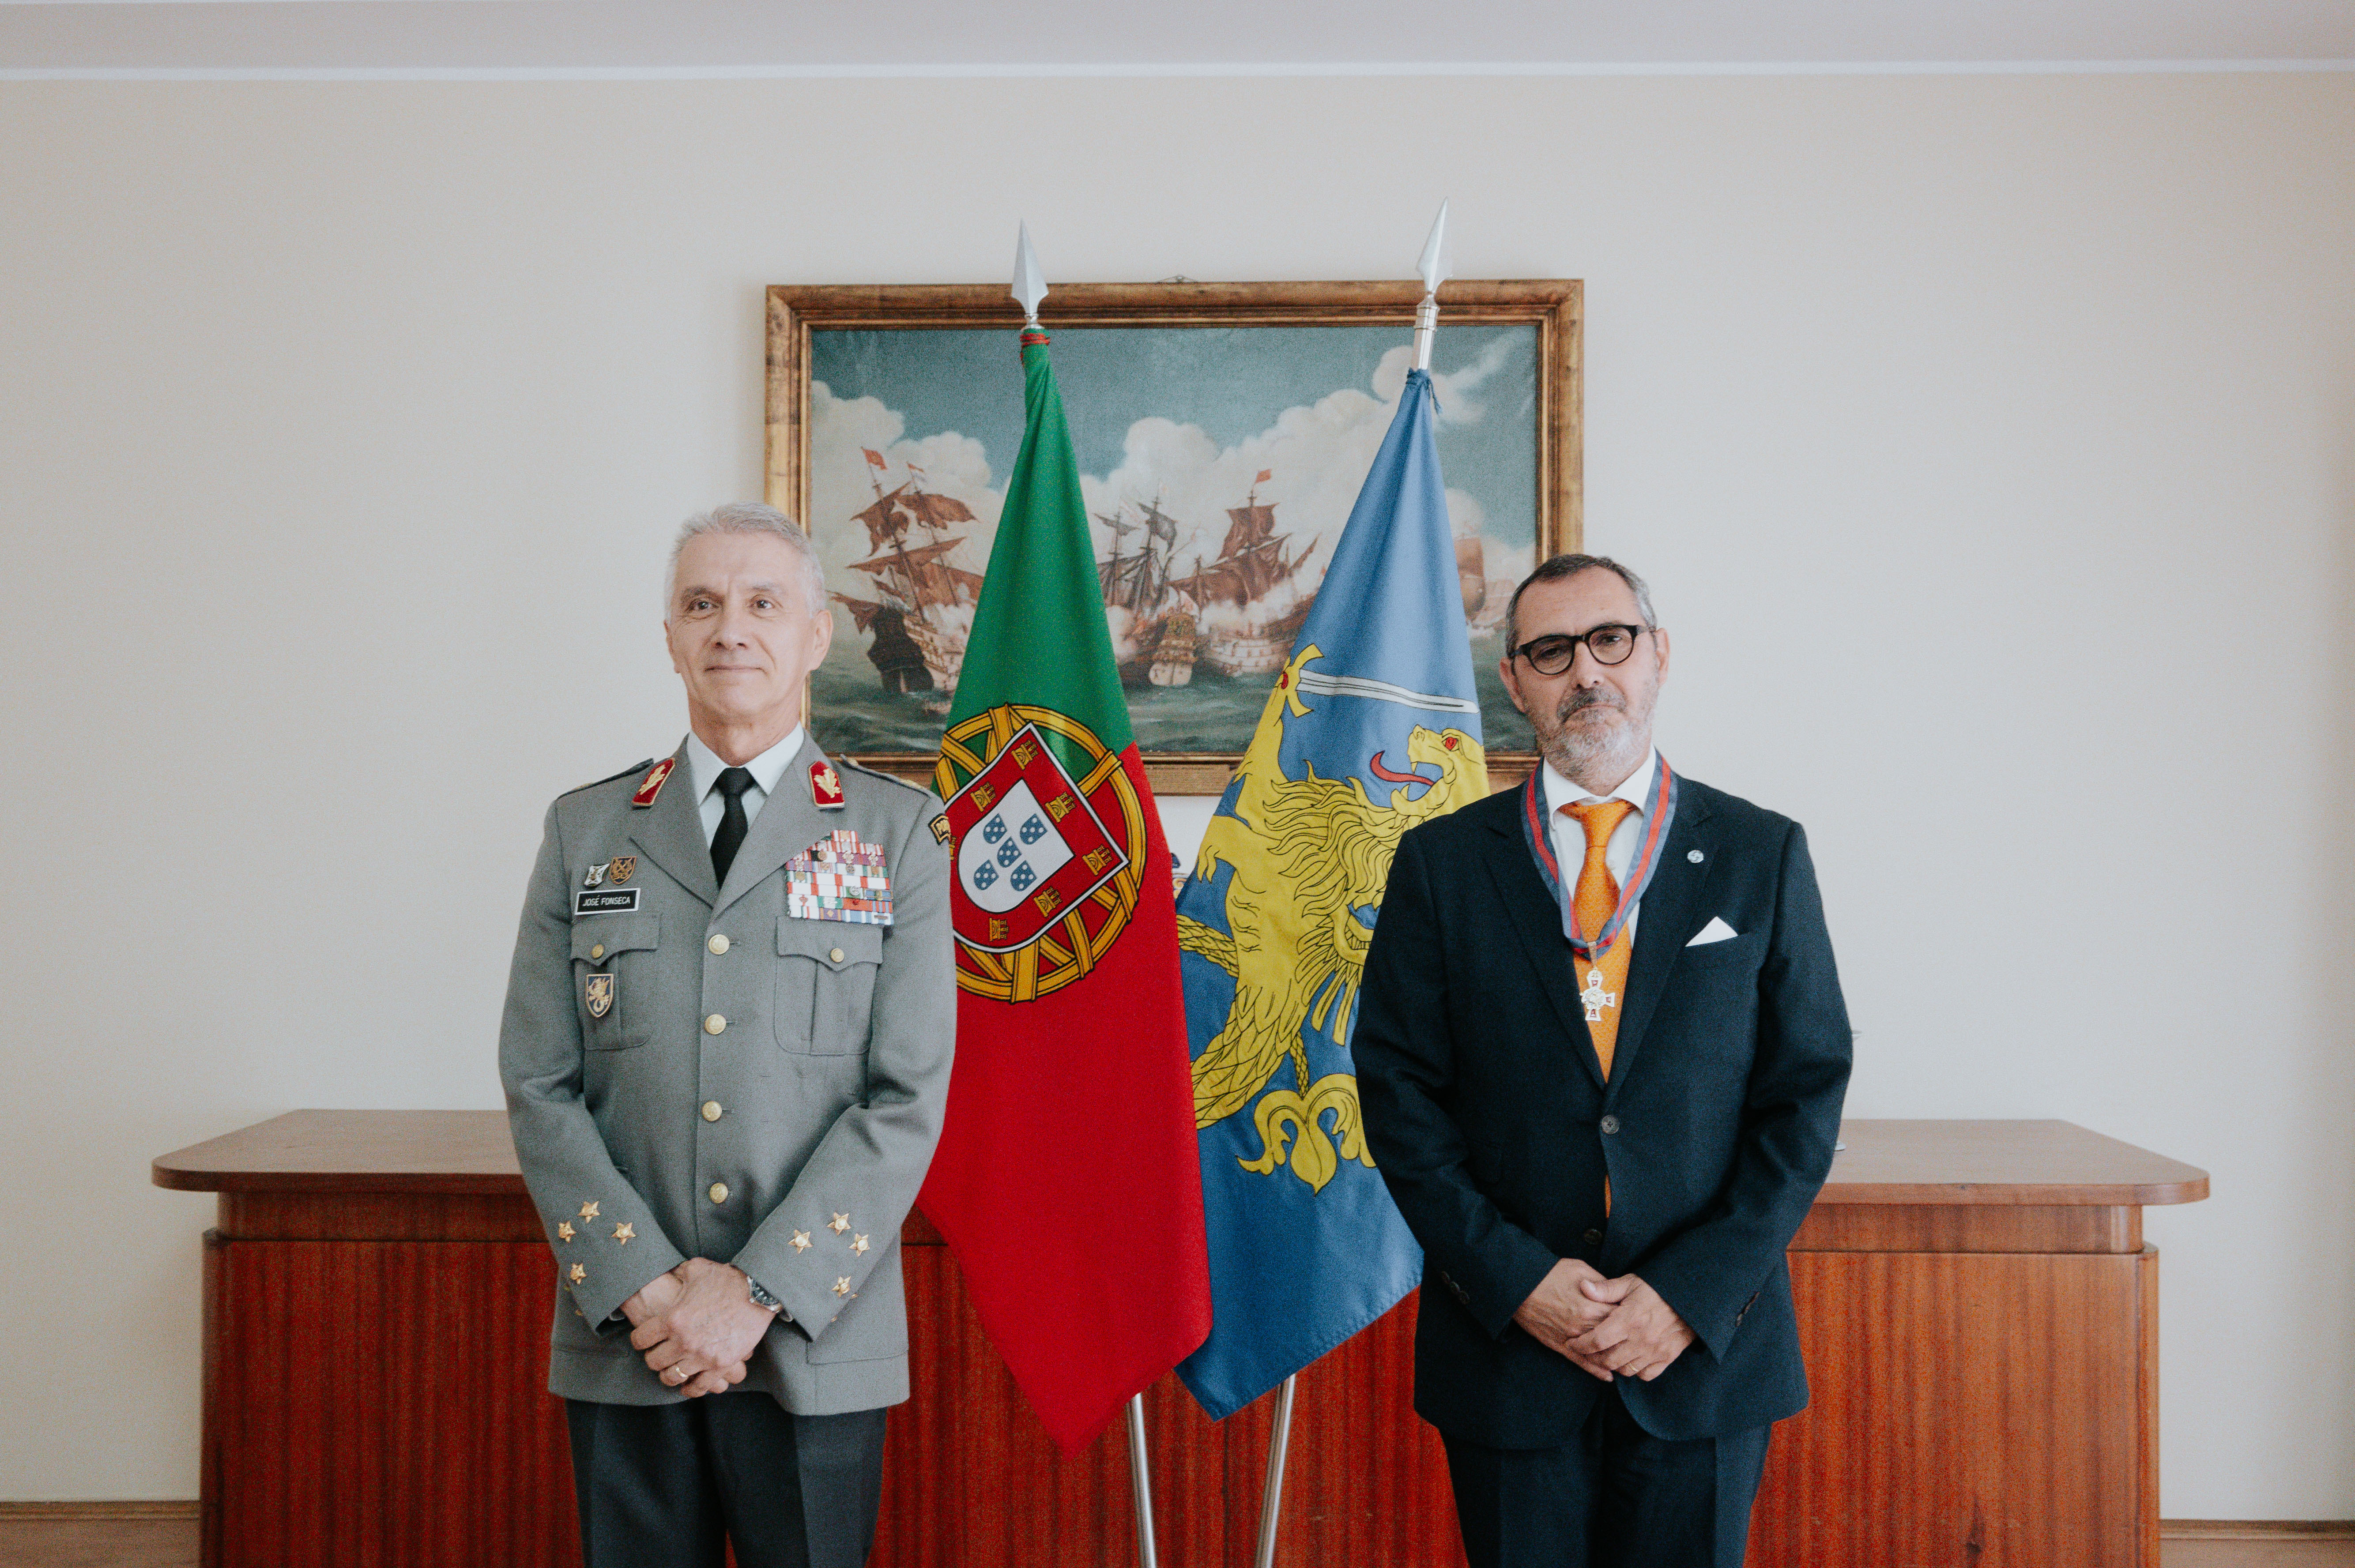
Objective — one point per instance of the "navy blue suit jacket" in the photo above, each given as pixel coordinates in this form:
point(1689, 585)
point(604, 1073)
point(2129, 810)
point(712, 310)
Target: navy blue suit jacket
point(1485, 1107)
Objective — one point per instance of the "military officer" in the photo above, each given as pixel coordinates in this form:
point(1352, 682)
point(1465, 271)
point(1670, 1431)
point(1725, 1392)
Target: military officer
point(726, 1053)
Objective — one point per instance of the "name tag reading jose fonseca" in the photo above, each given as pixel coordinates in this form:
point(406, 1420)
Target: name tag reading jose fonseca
point(605, 901)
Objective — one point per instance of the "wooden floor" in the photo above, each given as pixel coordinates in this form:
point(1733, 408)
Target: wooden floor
point(38, 1542)
point(167, 1539)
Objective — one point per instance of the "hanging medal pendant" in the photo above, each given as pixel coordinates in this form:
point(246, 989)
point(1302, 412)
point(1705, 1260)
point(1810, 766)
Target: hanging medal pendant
point(1596, 998)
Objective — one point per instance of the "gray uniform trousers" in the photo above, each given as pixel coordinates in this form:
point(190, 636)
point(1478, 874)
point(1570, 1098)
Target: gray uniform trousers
point(672, 1486)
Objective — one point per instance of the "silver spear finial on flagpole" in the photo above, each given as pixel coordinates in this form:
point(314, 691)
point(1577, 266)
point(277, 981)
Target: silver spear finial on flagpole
point(1029, 285)
point(1434, 268)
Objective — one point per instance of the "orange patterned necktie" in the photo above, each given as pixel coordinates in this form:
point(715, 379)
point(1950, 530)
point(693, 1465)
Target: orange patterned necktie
point(1602, 979)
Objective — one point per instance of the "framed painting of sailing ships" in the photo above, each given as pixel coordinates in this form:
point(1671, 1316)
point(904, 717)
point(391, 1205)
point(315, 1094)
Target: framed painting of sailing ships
point(1221, 430)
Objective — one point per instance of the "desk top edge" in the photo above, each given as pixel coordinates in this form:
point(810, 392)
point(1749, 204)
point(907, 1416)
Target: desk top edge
point(1885, 1162)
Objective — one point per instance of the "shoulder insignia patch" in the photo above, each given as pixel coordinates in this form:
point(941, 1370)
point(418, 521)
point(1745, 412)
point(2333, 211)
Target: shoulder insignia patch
point(652, 784)
point(610, 778)
point(879, 773)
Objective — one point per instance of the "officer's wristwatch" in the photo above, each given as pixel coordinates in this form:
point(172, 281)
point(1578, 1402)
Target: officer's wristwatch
point(763, 1300)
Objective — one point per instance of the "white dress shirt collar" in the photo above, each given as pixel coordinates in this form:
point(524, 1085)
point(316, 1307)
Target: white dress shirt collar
point(765, 768)
point(1635, 789)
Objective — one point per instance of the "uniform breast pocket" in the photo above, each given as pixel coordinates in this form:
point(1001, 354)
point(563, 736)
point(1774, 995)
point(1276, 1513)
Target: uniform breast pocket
point(612, 966)
point(826, 985)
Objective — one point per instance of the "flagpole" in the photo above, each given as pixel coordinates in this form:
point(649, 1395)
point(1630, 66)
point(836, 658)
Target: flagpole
point(1271, 1502)
point(1140, 1482)
point(1434, 269)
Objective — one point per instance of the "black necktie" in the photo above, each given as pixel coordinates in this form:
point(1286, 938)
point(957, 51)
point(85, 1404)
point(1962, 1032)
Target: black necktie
point(732, 783)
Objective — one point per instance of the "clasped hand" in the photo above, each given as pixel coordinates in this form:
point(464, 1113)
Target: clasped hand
point(1603, 1326)
point(697, 1325)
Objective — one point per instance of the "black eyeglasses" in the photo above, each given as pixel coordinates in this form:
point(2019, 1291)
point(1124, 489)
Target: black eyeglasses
point(1554, 653)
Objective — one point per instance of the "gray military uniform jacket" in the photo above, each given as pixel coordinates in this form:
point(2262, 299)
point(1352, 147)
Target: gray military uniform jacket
point(716, 1072)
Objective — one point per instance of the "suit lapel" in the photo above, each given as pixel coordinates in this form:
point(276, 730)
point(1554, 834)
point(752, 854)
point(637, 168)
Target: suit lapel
point(670, 831)
point(788, 825)
point(1536, 920)
point(1666, 918)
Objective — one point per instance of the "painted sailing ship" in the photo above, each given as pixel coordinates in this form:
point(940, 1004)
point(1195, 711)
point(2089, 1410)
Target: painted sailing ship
point(924, 608)
point(1252, 601)
point(1158, 642)
point(1471, 575)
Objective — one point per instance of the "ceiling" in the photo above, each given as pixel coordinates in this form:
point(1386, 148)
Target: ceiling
point(370, 38)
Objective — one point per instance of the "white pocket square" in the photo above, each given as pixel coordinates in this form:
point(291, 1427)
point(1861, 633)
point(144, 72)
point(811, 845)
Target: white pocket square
point(1717, 930)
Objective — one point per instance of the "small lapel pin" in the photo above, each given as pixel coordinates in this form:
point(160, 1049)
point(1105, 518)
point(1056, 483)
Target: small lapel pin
point(596, 875)
point(1694, 856)
point(624, 869)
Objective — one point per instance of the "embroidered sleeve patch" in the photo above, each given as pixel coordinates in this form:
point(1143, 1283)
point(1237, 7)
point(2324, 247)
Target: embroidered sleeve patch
point(839, 878)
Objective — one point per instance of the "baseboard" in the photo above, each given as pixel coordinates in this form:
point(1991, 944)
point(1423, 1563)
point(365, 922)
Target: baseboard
point(172, 1508)
point(2169, 1529)
point(2256, 1530)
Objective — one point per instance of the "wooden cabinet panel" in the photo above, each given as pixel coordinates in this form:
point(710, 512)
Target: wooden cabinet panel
point(1366, 1480)
point(1979, 1314)
point(383, 1405)
point(970, 1477)
point(971, 1480)
point(1979, 1410)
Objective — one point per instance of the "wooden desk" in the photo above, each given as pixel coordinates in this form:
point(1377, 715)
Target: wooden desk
point(1979, 1312)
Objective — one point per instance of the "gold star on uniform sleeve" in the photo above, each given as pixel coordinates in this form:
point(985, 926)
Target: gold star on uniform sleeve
point(839, 1224)
point(623, 1233)
point(859, 1243)
point(801, 1241)
point(589, 1211)
point(564, 1230)
point(842, 1286)
point(579, 1274)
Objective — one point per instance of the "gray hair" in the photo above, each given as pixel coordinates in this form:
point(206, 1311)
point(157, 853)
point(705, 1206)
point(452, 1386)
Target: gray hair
point(750, 517)
point(1560, 567)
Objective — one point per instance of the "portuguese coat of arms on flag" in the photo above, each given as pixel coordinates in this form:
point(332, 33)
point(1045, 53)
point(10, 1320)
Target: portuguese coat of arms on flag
point(1067, 1182)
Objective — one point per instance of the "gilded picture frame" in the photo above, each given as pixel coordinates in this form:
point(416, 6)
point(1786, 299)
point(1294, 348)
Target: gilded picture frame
point(1221, 430)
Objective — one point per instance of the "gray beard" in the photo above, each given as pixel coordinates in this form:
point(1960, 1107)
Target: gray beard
point(1585, 756)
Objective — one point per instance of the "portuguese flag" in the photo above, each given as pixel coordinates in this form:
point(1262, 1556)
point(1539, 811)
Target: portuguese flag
point(1067, 1180)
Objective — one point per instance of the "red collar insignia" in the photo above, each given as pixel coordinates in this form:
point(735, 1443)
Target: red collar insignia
point(652, 784)
point(826, 787)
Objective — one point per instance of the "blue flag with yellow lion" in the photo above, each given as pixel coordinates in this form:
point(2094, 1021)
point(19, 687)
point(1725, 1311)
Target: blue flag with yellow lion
point(1372, 726)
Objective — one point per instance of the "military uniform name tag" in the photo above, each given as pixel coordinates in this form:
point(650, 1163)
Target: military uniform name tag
point(605, 901)
point(839, 878)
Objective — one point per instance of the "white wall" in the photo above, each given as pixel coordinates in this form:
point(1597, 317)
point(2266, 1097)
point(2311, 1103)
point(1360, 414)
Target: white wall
point(1987, 441)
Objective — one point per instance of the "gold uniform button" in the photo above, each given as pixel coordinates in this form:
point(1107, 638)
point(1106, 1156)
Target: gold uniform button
point(714, 1025)
point(720, 1191)
point(836, 955)
point(596, 952)
point(719, 943)
point(711, 1111)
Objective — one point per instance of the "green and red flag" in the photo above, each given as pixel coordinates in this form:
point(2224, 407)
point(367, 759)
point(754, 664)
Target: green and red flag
point(1067, 1180)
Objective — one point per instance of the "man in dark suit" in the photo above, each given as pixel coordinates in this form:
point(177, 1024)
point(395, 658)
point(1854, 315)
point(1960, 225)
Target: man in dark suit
point(1602, 1055)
